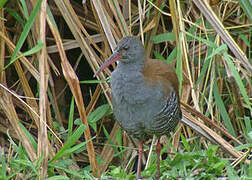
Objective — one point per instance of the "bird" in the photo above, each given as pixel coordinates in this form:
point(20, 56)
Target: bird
point(144, 93)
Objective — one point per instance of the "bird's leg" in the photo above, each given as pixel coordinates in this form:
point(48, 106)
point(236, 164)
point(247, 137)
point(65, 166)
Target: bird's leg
point(140, 154)
point(158, 148)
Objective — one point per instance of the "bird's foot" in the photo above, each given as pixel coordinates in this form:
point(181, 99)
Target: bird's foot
point(157, 176)
point(141, 177)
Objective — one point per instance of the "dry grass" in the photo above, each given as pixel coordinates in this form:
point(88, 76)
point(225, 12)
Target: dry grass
point(43, 56)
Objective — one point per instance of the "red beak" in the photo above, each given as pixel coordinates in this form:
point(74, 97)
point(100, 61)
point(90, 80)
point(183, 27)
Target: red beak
point(113, 58)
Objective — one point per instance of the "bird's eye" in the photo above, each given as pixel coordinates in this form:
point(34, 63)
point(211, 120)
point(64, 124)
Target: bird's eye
point(125, 47)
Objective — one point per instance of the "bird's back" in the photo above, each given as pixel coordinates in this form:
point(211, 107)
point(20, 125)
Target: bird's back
point(166, 119)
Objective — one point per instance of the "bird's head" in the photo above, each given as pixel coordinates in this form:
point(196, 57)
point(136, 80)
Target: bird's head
point(128, 50)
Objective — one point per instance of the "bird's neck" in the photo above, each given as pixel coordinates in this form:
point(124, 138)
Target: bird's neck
point(130, 67)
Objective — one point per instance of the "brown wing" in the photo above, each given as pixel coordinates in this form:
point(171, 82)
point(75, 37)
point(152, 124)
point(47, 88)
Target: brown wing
point(156, 70)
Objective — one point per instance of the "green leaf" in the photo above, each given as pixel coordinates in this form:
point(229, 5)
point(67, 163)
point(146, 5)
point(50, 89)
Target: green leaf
point(172, 56)
point(121, 18)
point(193, 29)
point(2, 3)
point(231, 173)
point(69, 171)
point(247, 7)
point(25, 32)
point(250, 135)
point(77, 148)
point(223, 111)
point(179, 68)
point(51, 17)
point(237, 79)
point(206, 66)
point(243, 146)
point(185, 143)
point(3, 170)
point(35, 49)
point(248, 122)
point(211, 151)
point(244, 38)
point(119, 140)
point(29, 136)
point(16, 16)
point(110, 140)
point(163, 38)
point(250, 170)
point(71, 140)
point(95, 81)
point(97, 114)
point(217, 50)
point(207, 42)
point(207, 63)
point(58, 177)
point(70, 118)
point(158, 56)
point(25, 10)
point(26, 163)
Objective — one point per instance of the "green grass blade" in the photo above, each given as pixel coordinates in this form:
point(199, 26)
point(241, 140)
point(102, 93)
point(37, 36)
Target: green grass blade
point(247, 7)
point(231, 173)
point(245, 39)
point(25, 9)
point(2, 3)
point(70, 118)
point(3, 170)
point(119, 140)
point(248, 122)
point(207, 42)
point(158, 55)
point(35, 49)
point(78, 147)
point(16, 16)
point(223, 111)
point(185, 143)
point(243, 146)
point(163, 38)
point(72, 140)
point(70, 171)
point(206, 66)
point(207, 62)
point(250, 135)
point(110, 140)
point(95, 81)
point(29, 136)
point(26, 163)
point(172, 55)
point(179, 68)
point(25, 31)
point(124, 25)
point(250, 171)
point(97, 114)
point(237, 79)
point(58, 177)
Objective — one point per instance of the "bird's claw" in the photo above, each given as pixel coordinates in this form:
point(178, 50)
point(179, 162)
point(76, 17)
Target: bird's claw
point(157, 176)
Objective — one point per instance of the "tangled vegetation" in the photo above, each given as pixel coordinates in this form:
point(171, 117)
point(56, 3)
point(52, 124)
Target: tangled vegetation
point(49, 98)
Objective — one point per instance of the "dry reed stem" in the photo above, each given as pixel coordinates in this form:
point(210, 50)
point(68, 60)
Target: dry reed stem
point(73, 83)
point(6, 104)
point(211, 135)
point(43, 85)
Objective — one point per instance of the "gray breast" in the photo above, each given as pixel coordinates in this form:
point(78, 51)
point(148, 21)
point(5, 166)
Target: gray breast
point(141, 110)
